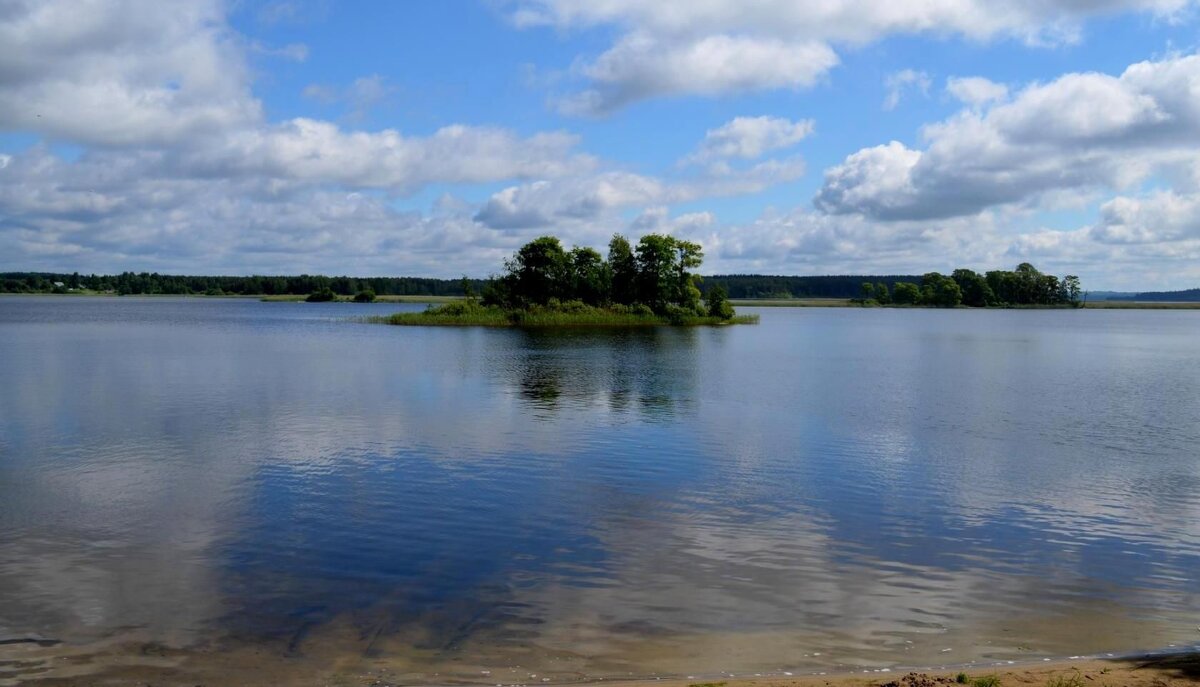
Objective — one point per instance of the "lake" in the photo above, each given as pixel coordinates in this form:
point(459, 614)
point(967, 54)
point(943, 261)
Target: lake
point(831, 490)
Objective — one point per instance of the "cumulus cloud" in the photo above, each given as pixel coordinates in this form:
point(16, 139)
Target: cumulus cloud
point(641, 66)
point(112, 210)
point(594, 197)
point(748, 138)
point(976, 90)
point(317, 151)
point(1079, 132)
point(121, 73)
point(902, 81)
point(1159, 218)
point(679, 47)
point(142, 75)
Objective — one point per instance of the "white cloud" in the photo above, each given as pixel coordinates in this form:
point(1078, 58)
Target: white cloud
point(976, 90)
point(591, 198)
point(321, 152)
point(1080, 132)
point(641, 66)
point(751, 137)
point(149, 76)
point(1158, 218)
point(121, 73)
point(711, 47)
point(902, 81)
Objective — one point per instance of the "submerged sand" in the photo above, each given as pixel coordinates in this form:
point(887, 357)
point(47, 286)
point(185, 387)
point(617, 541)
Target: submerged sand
point(28, 662)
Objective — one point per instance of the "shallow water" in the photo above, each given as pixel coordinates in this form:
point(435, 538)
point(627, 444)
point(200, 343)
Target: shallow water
point(830, 489)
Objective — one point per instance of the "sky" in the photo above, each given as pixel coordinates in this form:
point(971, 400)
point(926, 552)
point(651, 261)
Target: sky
point(433, 138)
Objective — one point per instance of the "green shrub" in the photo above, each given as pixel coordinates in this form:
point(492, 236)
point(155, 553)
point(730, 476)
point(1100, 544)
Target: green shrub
point(364, 296)
point(321, 296)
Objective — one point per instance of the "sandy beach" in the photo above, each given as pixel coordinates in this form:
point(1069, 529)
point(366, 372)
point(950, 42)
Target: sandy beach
point(153, 665)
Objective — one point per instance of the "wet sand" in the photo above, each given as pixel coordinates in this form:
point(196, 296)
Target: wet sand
point(43, 663)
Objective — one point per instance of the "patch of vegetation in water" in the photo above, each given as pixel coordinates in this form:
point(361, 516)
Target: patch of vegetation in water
point(544, 285)
point(570, 314)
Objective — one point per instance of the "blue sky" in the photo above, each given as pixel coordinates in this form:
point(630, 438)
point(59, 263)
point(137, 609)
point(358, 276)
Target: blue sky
point(432, 138)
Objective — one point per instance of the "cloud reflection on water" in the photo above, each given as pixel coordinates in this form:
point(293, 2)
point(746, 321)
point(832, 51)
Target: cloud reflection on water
point(770, 490)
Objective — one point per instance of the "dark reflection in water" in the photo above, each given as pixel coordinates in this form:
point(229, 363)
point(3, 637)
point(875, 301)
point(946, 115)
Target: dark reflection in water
point(828, 489)
point(649, 370)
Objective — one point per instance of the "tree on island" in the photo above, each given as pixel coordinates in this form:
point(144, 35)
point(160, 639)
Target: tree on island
point(656, 276)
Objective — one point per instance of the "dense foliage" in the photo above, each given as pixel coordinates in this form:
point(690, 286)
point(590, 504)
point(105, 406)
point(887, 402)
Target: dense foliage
point(1024, 286)
point(773, 286)
point(656, 275)
point(657, 272)
point(153, 283)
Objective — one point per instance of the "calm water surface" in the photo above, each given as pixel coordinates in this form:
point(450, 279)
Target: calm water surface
point(833, 488)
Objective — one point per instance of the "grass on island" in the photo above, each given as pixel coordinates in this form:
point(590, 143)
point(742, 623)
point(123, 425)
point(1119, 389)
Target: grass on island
point(570, 314)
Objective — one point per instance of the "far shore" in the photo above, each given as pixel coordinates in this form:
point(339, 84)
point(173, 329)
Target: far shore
point(850, 303)
point(737, 302)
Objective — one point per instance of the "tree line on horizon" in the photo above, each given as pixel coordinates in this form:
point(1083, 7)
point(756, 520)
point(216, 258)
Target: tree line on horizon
point(153, 283)
point(1018, 287)
point(1024, 286)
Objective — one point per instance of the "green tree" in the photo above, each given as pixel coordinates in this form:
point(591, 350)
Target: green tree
point(688, 256)
point(881, 293)
point(975, 290)
point(1072, 292)
point(940, 290)
point(539, 271)
point(906, 293)
point(718, 303)
point(590, 276)
point(657, 274)
point(623, 267)
point(866, 292)
point(364, 296)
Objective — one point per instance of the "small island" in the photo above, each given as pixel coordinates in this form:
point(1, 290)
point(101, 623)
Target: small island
point(544, 285)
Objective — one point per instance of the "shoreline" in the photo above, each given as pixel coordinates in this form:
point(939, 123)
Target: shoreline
point(737, 302)
point(116, 662)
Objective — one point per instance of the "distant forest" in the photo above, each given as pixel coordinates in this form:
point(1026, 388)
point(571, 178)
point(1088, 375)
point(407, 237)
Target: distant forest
point(1188, 296)
point(152, 283)
point(736, 285)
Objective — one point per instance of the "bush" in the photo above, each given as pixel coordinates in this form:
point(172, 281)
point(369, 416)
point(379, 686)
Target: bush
point(573, 306)
point(455, 308)
point(641, 309)
point(718, 305)
point(677, 315)
point(321, 296)
point(364, 296)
